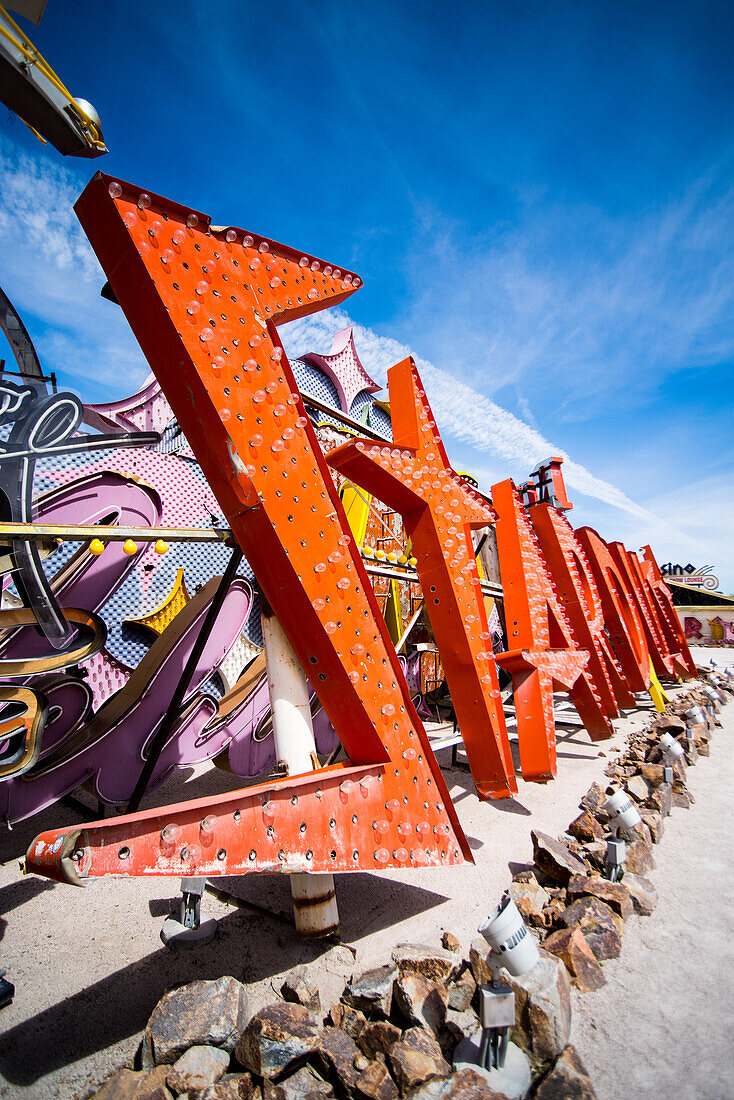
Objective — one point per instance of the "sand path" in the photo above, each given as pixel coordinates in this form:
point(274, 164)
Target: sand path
point(89, 966)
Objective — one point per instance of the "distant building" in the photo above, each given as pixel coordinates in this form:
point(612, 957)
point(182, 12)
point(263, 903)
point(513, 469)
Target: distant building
point(707, 617)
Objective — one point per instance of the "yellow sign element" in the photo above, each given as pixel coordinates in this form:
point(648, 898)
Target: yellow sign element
point(657, 692)
point(163, 616)
point(357, 508)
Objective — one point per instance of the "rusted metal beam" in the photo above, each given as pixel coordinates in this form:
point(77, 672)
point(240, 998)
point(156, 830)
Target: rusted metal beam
point(396, 573)
point(38, 532)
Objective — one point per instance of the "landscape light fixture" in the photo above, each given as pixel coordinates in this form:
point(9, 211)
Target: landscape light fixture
point(184, 927)
point(513, 948)
point(623, 815)
point(713, 698)
point(720, 675)
point(672, 751)
point(694, 716)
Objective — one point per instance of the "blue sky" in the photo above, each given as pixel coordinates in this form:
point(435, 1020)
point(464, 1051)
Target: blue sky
point(538, 197)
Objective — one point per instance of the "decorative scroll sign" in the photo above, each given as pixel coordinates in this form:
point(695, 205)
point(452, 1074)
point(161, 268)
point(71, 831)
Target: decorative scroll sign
point(23, 715)
point(204, 305)
point(42, 425)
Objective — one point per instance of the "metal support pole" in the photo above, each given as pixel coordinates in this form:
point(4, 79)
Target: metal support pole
point(169, 718)
point(413, 620)
point(314, 898)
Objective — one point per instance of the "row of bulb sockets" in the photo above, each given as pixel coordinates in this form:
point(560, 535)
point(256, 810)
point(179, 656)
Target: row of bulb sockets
point(129, 547)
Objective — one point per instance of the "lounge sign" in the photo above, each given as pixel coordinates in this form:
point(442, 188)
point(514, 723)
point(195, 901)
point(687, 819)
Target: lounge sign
point(702, 577)
point(583, 615)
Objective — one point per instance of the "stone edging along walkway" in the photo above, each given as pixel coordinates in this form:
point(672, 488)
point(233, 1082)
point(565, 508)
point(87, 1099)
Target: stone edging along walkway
point(393, 1032)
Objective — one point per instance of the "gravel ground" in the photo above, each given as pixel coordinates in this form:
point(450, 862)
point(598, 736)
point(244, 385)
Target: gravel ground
point(664, 1023)
point(89, 967)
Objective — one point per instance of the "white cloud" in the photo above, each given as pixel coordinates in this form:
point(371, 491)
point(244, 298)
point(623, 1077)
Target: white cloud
point(38, 199)
point(461, 412)
point(703, 513)
point(682, 522)
point(52, 276)
point(590, 311)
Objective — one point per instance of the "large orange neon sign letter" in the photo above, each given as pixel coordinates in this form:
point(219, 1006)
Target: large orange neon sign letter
point(620, 614)
point(542, 650)
point(670, 623)
point(439, 510)
point(668, 658)
point(204, 305)
point(579, 595)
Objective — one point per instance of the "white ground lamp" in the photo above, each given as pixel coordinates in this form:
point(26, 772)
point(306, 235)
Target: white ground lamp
point(713, 698)
point(672, 751)
point(623, 815)
point(513, 948)
point(694, 716)
point(184, 927)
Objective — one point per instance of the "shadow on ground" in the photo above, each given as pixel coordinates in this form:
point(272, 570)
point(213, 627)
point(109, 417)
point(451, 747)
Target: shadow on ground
point(250, 947)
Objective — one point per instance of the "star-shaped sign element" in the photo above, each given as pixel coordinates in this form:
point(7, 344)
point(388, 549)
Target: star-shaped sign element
point(343, 367)
point(440, 509)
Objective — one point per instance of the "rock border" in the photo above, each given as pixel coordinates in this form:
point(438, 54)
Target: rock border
point(393, 1032)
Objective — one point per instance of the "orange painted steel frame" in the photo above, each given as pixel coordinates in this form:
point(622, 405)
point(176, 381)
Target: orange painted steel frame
point(662, 599)
point(204, 305)
point(578, 592)
point(621, 617)
point(668, 657)
point(634, 593)
point(439, 510)
point(543, 652)
point(628, 566)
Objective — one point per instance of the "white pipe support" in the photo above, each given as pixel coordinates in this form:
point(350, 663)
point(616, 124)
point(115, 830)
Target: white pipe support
point(314, 897)
point(295, 745)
